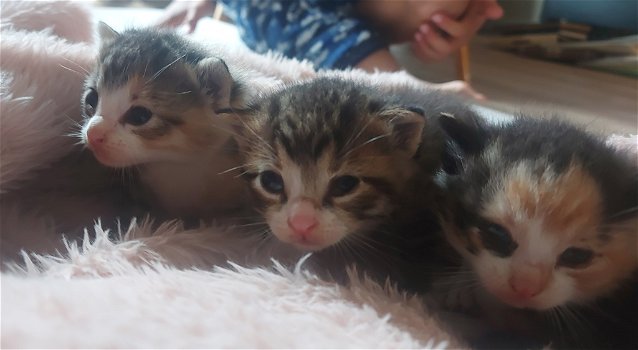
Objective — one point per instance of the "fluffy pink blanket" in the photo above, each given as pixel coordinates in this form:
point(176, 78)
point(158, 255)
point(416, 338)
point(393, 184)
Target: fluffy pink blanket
point(146, 290)
point(155, 288)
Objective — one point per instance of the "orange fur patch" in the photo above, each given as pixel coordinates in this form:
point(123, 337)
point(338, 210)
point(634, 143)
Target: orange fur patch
point(568, 202)
point(615, 261)
point(569, 206)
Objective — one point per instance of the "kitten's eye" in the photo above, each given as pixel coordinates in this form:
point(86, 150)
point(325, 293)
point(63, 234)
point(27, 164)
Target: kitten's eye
point(90, 102)
point(271, 182)
point(497, 239)
point(343, 185)
point(575, 257)
point(138, 116)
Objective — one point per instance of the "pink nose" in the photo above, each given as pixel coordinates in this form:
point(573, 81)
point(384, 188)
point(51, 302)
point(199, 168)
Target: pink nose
point(526, 292)
point(301, 225)
point(526, 288)
point(302, 218)
point(95, 137)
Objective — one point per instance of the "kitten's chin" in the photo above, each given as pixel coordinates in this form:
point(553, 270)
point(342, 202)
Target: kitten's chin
point(110, 161)
point(539, 303)
point(308, 247)
point(308, 244)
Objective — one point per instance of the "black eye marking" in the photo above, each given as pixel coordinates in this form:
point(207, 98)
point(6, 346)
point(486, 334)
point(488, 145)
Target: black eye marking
point(271, 182)
point(575, 258)
point(343, 185)
point(137, 116)
point(90, 102)
point(498, 240)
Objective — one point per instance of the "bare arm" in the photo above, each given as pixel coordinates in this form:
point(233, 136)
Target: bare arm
point(382, 60)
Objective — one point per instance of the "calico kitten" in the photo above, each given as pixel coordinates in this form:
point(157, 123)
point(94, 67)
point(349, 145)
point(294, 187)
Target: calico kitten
point(156, 103)
point(331, 159)
point(546, 216)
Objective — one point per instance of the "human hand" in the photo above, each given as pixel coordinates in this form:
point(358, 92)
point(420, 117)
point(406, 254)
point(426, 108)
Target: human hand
point(443, 35)
point(185, 12)
point(459, 87)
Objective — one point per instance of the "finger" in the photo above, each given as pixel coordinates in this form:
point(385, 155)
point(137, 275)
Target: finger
point(476, 15)
point(453, 28)
point(190, 20)
point(462, 88)
point(493, 10)
point(435, 41)
point(419, 48)
point(427, 53)
point(172, 16)
point(170, 21)
point(470, 92)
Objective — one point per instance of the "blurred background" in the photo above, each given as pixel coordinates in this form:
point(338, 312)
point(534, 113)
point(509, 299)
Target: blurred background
point(573, 58)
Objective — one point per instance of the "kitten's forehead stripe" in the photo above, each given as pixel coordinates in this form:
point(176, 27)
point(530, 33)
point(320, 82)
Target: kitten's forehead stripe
point(144, 52)
point(332, 120)
point(273, 108)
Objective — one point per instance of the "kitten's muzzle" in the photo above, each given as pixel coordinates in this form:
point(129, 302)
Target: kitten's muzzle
point(95, 132)
point(95, 138)
point(524, 285)
point(302, 220)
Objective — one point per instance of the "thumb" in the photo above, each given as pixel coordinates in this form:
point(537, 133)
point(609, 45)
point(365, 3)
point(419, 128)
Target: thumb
point(191, 20)
point(493, 10)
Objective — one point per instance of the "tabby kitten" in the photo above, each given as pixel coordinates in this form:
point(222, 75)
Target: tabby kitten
point(546, 216)
point(331, 159)
point(156, 103)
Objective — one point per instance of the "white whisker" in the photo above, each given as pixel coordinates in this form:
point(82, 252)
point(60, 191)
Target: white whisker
point(159, 72)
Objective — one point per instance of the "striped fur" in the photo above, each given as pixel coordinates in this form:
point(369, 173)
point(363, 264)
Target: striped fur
point(313, 133)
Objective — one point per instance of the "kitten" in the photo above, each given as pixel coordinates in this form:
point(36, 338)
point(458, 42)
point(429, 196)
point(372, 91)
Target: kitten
point(157, 103)
point(546, 216)
point(333, 159)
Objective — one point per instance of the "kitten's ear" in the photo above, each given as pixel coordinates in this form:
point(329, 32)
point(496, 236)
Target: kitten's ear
point(106, 33)
point(407, 127)
point(467, 133)
point(214, 77)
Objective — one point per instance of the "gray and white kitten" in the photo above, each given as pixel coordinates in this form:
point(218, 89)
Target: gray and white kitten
point(157, 104)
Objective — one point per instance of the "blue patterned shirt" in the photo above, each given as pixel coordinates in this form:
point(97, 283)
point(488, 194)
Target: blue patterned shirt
point(327, 33)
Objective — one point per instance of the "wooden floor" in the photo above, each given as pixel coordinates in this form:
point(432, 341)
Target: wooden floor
point(512, 83)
